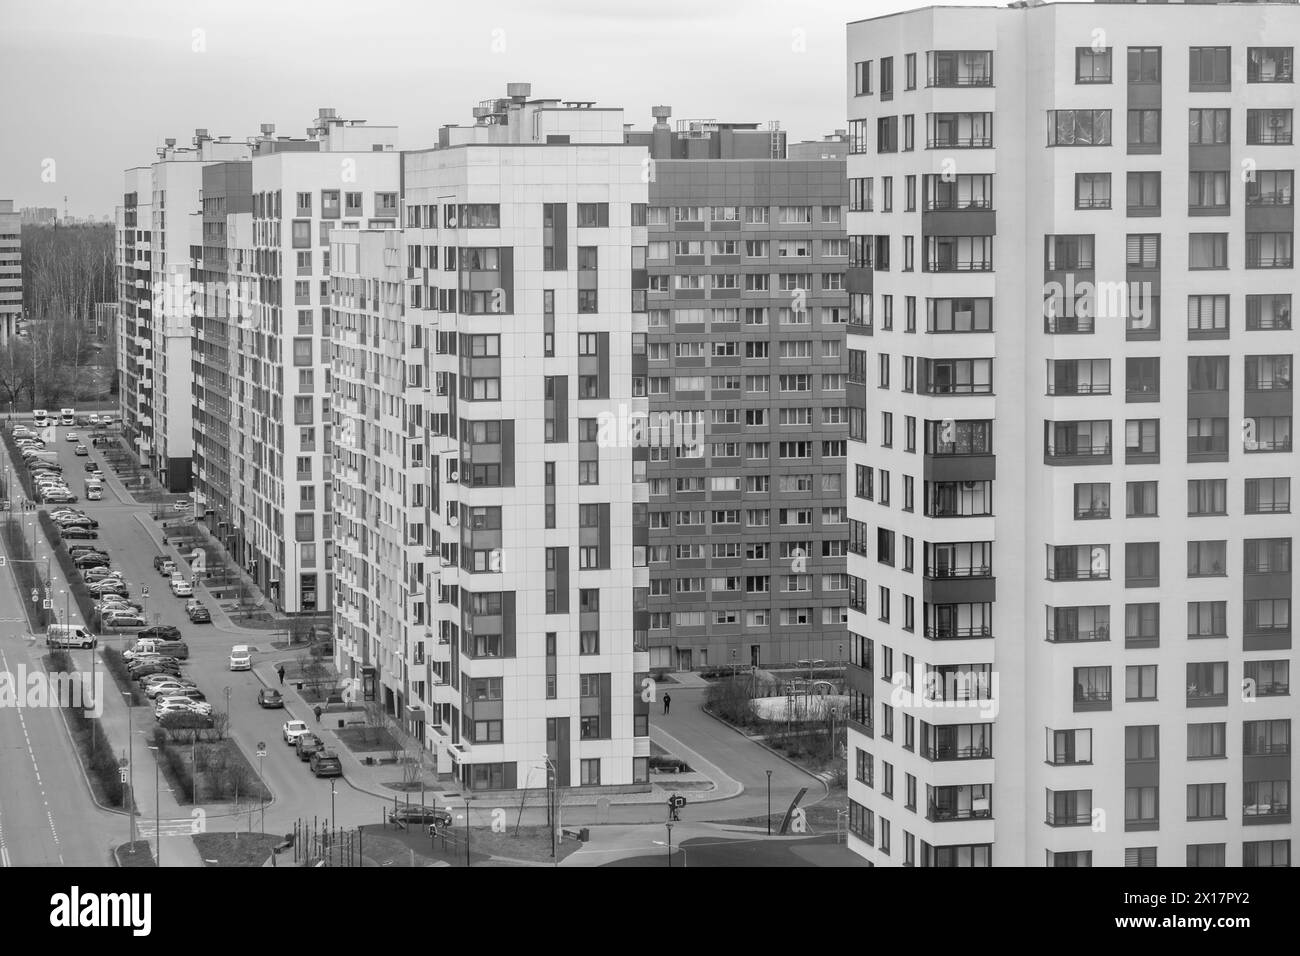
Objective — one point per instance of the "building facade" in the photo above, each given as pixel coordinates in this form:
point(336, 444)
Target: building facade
point(135, 356)
point(489, 436)
point(747, 311)
point(264, 446)
point(1069, 651)
point(11, 270)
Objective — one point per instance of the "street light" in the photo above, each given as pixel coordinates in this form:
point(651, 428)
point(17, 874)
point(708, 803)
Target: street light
point(130, 766)
point(670, 844)
point(553, 802)
point(467, 863)
point(769, 803)
point(157, 805)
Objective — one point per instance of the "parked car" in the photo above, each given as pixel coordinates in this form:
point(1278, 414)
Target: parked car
point(182, 589)
point(93, 575)
point(58, 497)
point(91, 561)
point(407, 815)
point(109, 586)
point(269, 697)
point(307, 745)
point(162, 632)
point(77, 533)
point(184, 700)
point(153, 690)
point(166, 567)
point(153, 679)
point(198, 613)
point(325, 763)
point(119, 620)
point(293, 729)
point(159, 560)
point(164, 666)
point(80, 521)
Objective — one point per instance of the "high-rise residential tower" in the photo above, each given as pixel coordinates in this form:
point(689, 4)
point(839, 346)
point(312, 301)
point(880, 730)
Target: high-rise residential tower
point(1070, 412)
point(490, 489)
point(746, 349)
point(11, 269)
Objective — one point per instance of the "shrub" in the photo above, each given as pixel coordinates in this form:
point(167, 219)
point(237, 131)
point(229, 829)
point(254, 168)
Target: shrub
point(116, 665)
point(730, 700)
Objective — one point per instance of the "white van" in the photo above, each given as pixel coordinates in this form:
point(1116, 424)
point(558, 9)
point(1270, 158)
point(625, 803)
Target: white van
point(241, 658)
point(69, 635)
point(94, 492)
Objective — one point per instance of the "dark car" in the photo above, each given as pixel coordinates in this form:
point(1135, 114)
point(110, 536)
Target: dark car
point(78, 534)
point(198, 613)
point(92, 467)
point(325, 763)
point(91, 561)
point(407, 815)
point(171, 666)
point(158, 560)
point(79, 549)
point(268, 697)
point(307, 745)
point(163, 632)
point(79, 522)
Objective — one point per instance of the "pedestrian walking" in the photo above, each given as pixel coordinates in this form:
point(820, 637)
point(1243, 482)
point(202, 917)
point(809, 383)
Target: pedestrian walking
point(318, 713)
point(280, 671)
point(668, 699)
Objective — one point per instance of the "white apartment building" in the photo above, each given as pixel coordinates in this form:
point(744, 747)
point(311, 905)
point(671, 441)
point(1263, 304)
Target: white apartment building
point(176, 232)
point(520, 645)
point(11, 269)
point(135, 356)
point(1070, 456)
point(343, 176)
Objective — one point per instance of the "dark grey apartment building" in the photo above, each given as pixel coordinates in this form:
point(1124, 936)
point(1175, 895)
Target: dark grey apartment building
point(746, 351)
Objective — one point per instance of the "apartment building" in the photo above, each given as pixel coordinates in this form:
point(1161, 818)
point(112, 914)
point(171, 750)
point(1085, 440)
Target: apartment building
point(1071, 225)
point(154, 339)
point(11, 269)
point(134, 352)
point(264, 335)
point(746, 355)
point(491, 498)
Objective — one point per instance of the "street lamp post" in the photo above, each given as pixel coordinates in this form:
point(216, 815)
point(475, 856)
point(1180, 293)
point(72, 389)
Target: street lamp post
point(670, 844)
point(130, 769)
point(769, 803)
point(157, 807)
point(467, 863)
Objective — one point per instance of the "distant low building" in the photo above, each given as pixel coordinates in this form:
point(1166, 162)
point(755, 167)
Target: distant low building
point(38, 215)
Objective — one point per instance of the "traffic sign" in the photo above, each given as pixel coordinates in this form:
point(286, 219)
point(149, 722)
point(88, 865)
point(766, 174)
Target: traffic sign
point(36, 595)
point(144, 590)
point(678, 801)
point(261, 748)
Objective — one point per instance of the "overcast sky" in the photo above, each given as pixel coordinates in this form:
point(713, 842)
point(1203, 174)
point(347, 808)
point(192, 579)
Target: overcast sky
point(96, 85)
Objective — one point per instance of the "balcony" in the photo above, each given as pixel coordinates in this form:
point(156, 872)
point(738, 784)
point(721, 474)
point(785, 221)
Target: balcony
point(982, 751)
point(947, 572)
point(1070, 635)
point(953, 633)
point(1069, 325)
point(1076, 818)
point(1255, 814)
point(1094, 453)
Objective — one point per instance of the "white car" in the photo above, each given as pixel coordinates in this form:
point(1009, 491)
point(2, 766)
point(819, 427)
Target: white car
point(293, 729)
point(71, 436)
point(241, 658)
point(182, 589)
point(184, 703)
point(164, 688)
point(94, 418)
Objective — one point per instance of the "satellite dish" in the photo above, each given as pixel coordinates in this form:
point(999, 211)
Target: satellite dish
point(453, 521)
point(455, 476)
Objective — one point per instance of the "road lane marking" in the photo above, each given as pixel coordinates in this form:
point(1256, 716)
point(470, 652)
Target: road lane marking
point(31, 753)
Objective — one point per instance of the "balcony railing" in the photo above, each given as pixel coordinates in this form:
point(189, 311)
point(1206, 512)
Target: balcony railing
point(1077, 819)
point(1094, 450)
point(950, 752)
point(1078, 574)
point(959, 264)
point(958, 633)
point(1262, 749)
point(1069, 325)
point(1277, 260)
point(949, 205)
point(960, 142)
point(1079, 388)
point(1266, 445)
point(1061, 635)
point(1268, 136)
point(1255, 810)
point(959, 571)
point(938, 814)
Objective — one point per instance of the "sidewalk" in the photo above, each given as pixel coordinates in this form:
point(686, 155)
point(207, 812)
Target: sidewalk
point(371, 779)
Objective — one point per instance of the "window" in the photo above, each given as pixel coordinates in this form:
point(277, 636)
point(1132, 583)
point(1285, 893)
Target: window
point(1207, 684)
point(1144, 131)
point(1268, 64)
point(1207, 496)
point(1205, 801)
point(1092, 65)
point(1268, 496)
point(1142, 625)
point(1078, 127)
point(1142, 440)
point(862, 78)
point(1144, 64)
point(1142, 379)
point(1092, 500)
point(1142, 564)
point(1092, 190)
point(1207, 250)
point(1209, 127)
point(1140, 682)
point(590, 772)
point(1141, 499)
point(1210, 68)
point(1207, 316)
point(1141, 808)
point(1266, 853)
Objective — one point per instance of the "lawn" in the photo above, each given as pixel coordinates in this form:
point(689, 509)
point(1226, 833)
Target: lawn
point(235, 849)
point(367, 739)
point(820, 816)
point(139, 853)
point(384, 846)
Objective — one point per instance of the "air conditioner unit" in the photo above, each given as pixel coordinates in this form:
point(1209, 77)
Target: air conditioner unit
point(1276, 120)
